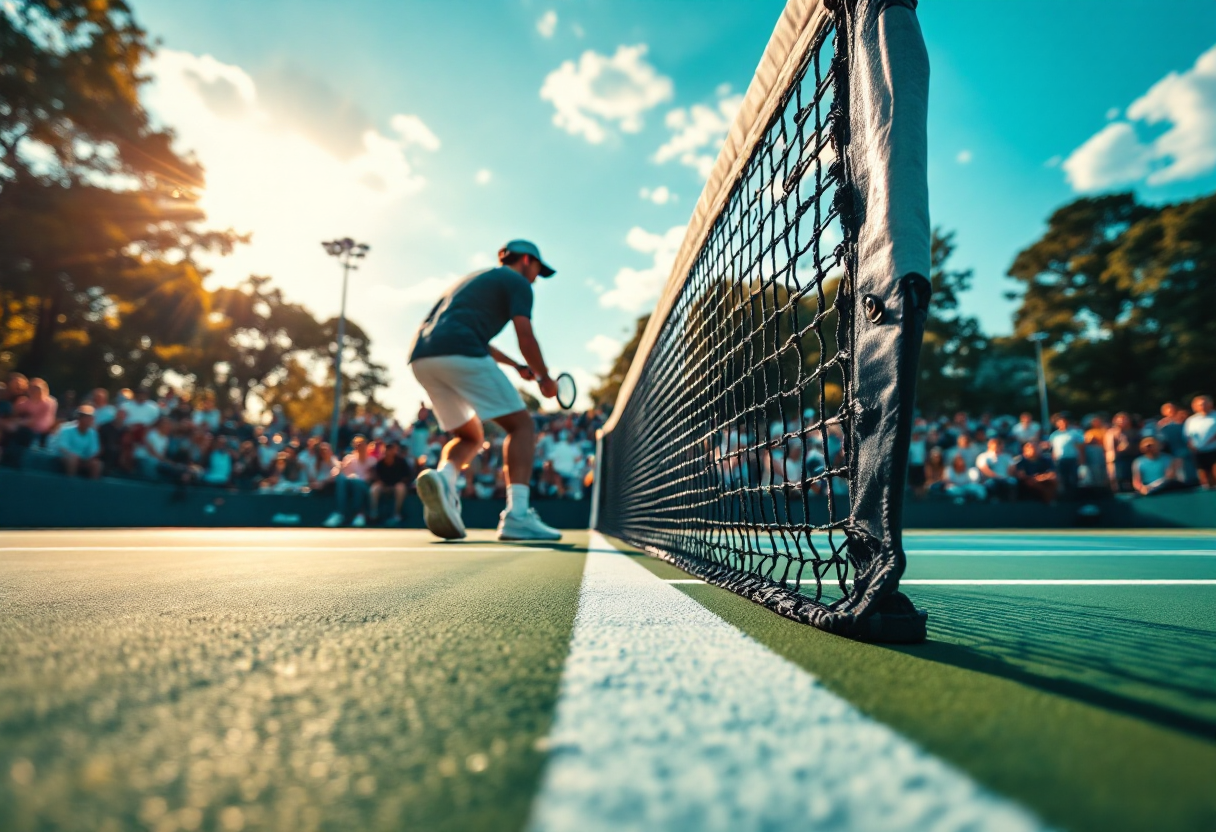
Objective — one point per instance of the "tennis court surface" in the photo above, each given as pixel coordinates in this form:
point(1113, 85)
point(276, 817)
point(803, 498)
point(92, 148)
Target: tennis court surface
point(272, 679)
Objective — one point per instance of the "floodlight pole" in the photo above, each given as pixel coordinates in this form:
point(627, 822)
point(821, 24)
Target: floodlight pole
point(1038, 338)
point(347, 251)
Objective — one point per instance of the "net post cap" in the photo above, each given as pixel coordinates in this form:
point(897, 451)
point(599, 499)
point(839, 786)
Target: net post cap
point(530, 248)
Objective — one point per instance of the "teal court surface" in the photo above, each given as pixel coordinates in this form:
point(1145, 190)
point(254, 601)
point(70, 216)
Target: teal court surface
point(297, 679)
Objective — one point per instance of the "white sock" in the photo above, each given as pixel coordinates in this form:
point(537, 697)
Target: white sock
point(517, 500)
point(450, 472)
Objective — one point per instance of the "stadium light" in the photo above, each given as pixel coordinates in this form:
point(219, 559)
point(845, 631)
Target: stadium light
point(1038, 338)
point(347, 251)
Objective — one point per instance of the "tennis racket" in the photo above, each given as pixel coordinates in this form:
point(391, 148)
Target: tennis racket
point(566, 391)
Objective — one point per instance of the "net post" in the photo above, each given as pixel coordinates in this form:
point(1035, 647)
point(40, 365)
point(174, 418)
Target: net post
point(594, 522)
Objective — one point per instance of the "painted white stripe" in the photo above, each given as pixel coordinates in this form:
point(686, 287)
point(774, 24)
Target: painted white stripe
point(671, 719)
point(1047, 553)
point(1060, 582)
point(447, 548)
point(1061, 553)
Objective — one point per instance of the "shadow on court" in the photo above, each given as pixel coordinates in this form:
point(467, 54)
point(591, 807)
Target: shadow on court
point(1163, 673)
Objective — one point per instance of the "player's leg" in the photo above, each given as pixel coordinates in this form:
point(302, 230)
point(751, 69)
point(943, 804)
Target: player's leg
point(437, 489)
point(520, 521)
point(441, 377)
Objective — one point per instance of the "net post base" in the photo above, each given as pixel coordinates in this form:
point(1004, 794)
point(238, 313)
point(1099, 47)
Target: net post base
point(894, 620)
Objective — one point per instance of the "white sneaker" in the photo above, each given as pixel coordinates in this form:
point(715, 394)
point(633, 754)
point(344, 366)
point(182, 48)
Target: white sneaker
point(333, 521)
point(440, 505)
point(359, 522)
point(525, 527)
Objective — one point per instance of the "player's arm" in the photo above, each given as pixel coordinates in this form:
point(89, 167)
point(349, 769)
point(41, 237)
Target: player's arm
point(530, 349)
point(525, 372)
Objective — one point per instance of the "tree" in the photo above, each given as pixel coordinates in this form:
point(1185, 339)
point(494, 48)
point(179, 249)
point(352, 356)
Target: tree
point(1124, 293)
point(100, 215)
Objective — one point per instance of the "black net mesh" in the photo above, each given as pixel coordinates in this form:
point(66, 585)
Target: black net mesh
point(732, 454)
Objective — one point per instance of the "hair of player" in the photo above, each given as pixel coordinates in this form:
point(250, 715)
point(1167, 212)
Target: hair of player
point(509, 258)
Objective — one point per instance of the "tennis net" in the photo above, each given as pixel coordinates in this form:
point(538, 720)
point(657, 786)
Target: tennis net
point(760, 438)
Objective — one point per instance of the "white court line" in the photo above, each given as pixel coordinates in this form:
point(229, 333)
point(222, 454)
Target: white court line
point(672, 719)
point(437, 548)
point(1061, 553)
point(1058, 582)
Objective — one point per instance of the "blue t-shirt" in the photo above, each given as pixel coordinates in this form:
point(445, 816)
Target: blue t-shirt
point(472, 312)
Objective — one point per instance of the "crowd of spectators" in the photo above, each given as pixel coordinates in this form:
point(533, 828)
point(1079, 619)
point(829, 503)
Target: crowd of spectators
point(168, 436)
point(1004, 458)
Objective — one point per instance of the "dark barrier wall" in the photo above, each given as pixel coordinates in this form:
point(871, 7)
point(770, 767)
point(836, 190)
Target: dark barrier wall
point(37, 500)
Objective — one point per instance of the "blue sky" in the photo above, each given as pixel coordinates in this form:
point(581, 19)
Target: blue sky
point(437, 130)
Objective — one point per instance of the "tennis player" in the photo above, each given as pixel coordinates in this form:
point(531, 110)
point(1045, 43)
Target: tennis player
point(452, 358)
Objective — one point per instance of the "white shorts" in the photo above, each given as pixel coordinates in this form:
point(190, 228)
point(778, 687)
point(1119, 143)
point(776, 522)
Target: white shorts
point(462, 387)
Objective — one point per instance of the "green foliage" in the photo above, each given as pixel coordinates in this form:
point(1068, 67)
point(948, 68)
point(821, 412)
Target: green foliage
point(1125, 293)
point(99, 281)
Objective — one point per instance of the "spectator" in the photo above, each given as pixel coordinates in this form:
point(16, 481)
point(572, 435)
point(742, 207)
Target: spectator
point(103, 412)
point(78, 445)
point(37, 412)
point(965, 449)
point(917, 450)
point(1026, 430)
point(354, 472)
point(1120, 445)
point(220, 462)
point(1200, 429)
point(996, 471)
point(1179, 447)
point(111, 436)
point(935, 471)
point(286, 476)
point(391, 473)
point(550, 484)
point(961, 482)
point(140, 411)
point(207, 416)
point(1036, 475)
point(1154, 472)
point(322, 469)
point(1095, 452)
point(15, 437)
point(1067, 443)
point(152, 455)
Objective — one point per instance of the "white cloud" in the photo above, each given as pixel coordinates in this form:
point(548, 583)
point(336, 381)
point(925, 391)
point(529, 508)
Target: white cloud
point(634, 288)
point(963, 157)
point(275, 167)
point(599, 92)
point(578, 30)
point(606, 348)
point(1185, 103)
point(1112, 113)
point(547, 24)
point(659, 196)
point(265, 174)
point(698, 131)
point(483, 176)
point(425, 291)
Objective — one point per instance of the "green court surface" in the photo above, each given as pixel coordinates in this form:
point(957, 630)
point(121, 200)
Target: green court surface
point(270, 679)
